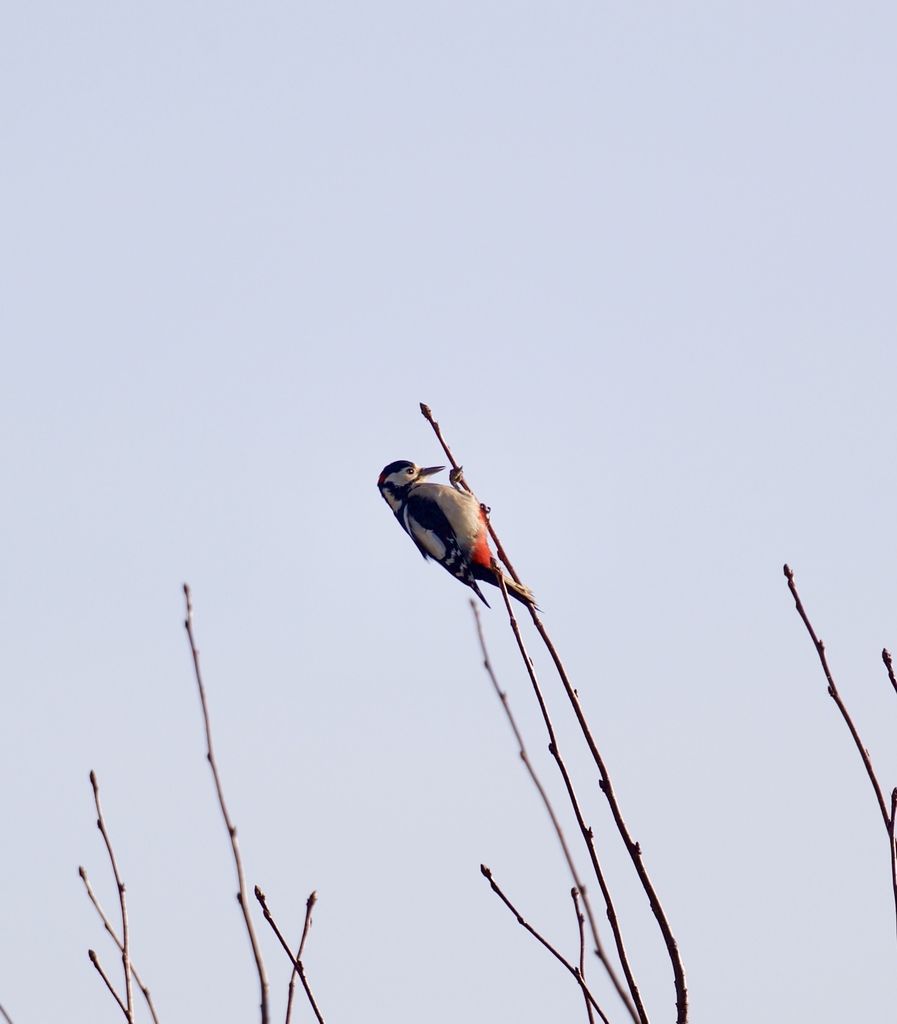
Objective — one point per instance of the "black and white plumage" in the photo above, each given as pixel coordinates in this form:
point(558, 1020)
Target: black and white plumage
point(446, 524)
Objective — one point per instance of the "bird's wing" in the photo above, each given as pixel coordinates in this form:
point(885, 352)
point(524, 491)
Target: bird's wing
point(461, 511)
point(430, 530)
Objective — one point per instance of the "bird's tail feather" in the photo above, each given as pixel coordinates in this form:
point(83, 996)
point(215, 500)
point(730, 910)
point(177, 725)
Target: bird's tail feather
point(517, 590)
point(479, 593)
point(523, 594)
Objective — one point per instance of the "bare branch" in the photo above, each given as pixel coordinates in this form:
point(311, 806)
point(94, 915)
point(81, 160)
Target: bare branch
point(585, 829)
point(297, 963)
point(580, 920)
point(93, 899)
point(5, 1015)
point(892, 843)
point(309, 903)
point(125, 952)
point(568, 856)
point(231, 827)
point(836, 697)
point(632, 847)
point(95, 960)
point(889, 665)
point(487, 874)
point(887, 816)
point(459, 477)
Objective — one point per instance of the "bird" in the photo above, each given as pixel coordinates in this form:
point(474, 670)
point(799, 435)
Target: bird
point(446, 524)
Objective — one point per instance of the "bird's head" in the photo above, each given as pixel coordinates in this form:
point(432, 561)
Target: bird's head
point(399, 477)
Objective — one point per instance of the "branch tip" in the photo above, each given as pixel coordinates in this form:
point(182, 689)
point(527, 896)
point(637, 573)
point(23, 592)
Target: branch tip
point(607, 788)
point(590, 999)
point(228, 823)
point(889, 818)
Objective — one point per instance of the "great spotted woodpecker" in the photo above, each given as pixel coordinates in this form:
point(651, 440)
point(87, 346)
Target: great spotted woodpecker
point(446, 524)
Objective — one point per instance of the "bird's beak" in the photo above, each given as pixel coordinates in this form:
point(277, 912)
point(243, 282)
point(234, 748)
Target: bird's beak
point(430, 470)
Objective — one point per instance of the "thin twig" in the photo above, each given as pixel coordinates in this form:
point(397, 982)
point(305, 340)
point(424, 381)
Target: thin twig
point(487, 874)
point(580, 921)
point(6, 1016)
point(632, 847)
point(889, 665)
point(887, 816)
point(309, 903)
point(836, 697)
point(586, 830)
point(125, 948)
point(568, 856)
point(892, 843)
point(95, 960)
point(459, 476)
point(93, 899)
point(231, 827)
point(297, 963)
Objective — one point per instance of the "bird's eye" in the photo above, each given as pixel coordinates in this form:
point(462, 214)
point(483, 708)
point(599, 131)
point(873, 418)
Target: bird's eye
point(410, 471)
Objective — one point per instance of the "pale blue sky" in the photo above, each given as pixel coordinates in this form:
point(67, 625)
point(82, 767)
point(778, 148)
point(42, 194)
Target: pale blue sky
point(640, 261)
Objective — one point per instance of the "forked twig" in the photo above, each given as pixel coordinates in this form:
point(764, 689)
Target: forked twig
point(887, 816)
point(559, 832)
point(892, 842)
point(242, 898)
point(297, 963)
point(309, 903)
point(111, 931)
point(95, 960)
point(125, 948)
point(487, 874)
point(632, 847)
point(580, 921)
point(586, 830)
